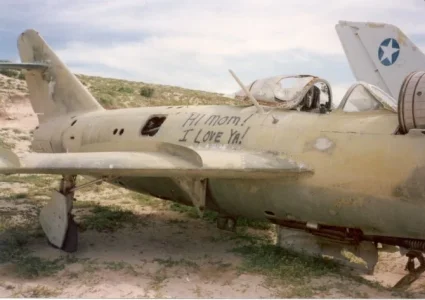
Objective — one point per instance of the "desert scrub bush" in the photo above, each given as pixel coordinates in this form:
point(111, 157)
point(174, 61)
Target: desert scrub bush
point(9, 73)
point(125, 89)
point(107, 101)
point(21, 76)
point(146, 91)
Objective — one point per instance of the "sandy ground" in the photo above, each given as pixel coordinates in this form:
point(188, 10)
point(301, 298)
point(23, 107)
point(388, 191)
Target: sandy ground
point(164, 253)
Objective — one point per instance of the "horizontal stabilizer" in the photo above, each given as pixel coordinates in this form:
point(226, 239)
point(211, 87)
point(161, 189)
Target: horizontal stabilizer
point(214, 164)
point(23, 66)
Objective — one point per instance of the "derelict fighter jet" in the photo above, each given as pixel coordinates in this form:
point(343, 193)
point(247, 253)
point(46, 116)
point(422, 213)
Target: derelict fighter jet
point(352, 176)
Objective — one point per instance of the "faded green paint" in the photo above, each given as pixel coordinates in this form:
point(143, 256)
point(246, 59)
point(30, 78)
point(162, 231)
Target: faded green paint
point(351, 169)
point(364, 175)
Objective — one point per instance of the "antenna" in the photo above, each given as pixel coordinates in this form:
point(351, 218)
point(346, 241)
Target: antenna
point(253, 100)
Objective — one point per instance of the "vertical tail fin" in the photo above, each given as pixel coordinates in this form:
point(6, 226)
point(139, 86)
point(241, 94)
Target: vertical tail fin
point(379, 54)
point(54, 91)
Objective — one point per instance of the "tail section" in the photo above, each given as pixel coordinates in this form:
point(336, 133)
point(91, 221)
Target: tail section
point(53, 91)
point(379, 54)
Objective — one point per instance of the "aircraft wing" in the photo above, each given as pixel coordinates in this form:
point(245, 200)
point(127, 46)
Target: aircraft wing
point(208, 163)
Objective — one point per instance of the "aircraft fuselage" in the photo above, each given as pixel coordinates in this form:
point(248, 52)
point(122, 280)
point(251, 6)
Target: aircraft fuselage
point(364, 175)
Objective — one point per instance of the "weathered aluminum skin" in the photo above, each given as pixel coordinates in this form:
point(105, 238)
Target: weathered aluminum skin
point(346, 169)
point(363, 175)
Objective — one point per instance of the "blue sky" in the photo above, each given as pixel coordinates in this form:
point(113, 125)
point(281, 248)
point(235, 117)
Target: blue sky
point(193, 43)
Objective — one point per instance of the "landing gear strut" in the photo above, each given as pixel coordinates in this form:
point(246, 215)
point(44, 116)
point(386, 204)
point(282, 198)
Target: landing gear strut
point(56, 219)
point(226, 223)
point(414, 273)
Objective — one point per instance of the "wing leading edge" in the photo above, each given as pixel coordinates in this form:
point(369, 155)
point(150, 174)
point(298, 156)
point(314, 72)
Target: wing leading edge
point(212, 164)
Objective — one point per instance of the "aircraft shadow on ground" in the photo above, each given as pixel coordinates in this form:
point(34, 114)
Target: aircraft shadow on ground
point(113, 234)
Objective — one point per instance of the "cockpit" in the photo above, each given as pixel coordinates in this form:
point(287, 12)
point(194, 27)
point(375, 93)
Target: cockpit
point(299, 92)
point(313, 94)
point(362, 96)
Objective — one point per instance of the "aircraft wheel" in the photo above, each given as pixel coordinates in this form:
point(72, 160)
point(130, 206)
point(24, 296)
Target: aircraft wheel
point(70, 243)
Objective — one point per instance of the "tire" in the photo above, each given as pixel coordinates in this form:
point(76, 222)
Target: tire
point(70, 243)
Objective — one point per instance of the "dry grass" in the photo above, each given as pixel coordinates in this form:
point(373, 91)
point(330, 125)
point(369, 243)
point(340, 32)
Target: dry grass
point(116, 93)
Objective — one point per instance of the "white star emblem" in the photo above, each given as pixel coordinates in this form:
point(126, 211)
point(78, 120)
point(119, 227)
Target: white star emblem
point(389, 51)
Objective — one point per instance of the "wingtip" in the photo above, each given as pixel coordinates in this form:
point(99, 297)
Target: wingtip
point(8, 159)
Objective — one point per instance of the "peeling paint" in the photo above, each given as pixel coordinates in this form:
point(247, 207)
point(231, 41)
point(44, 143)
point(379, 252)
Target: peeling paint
point(323, 144)
point(401, 37)
point(375, 25)
point(356, 202)
point(51, 87)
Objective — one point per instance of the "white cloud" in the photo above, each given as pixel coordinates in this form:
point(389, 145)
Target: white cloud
point(193, 43)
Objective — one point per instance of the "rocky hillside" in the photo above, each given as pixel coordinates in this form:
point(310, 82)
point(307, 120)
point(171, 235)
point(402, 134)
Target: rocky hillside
point(116, 93)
